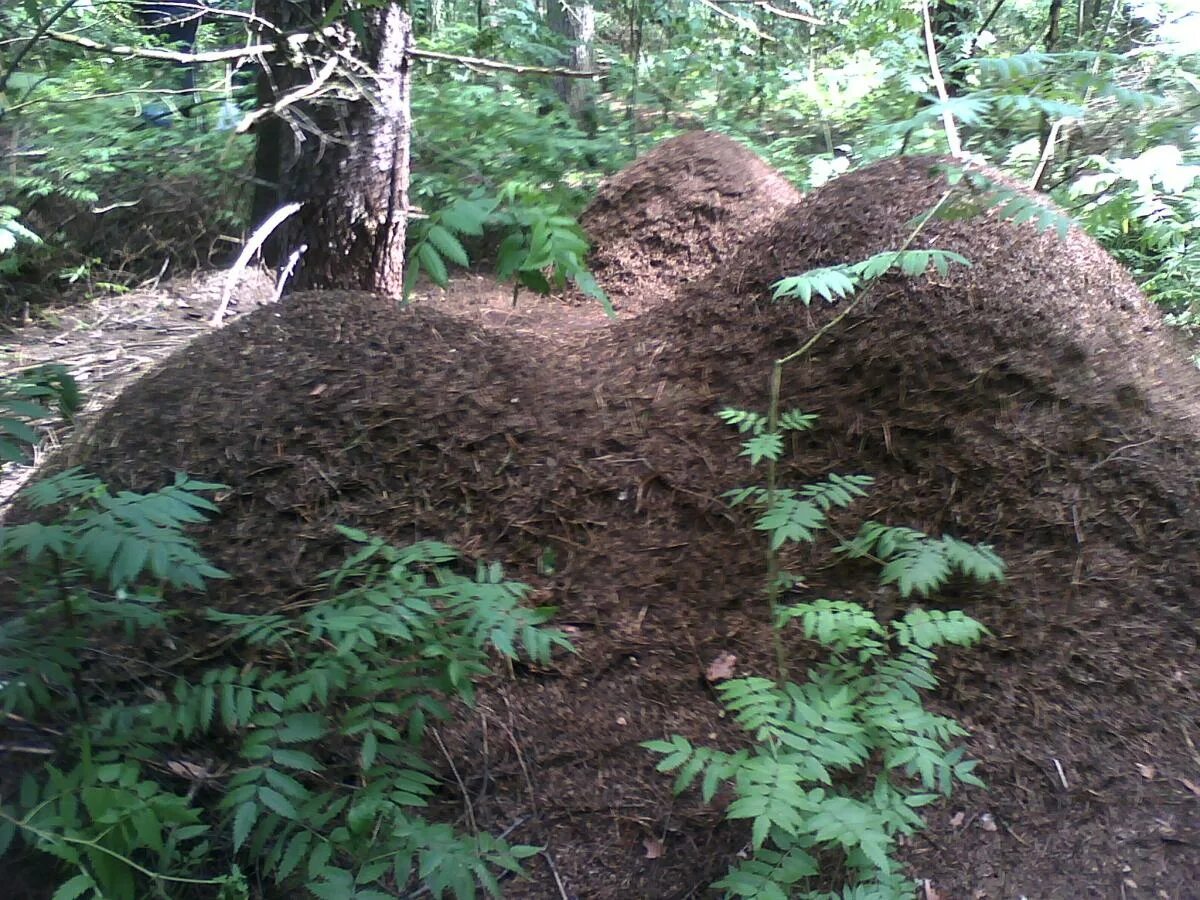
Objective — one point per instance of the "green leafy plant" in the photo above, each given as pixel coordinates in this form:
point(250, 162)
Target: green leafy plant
point(979, 194)
point(837, 282)
point(540, 249)
point(438, 239)
point(93, 806)
point(27, 398)
point(841, 761)
point(543, 248)
point(315, 746)
point(1146, 211)
point(12, 234)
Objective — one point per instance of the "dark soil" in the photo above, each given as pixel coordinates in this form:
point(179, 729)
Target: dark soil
point(1033, 401)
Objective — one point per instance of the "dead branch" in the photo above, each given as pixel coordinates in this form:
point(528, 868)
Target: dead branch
point(252, 246)
point(172, 55)
point(935, 71)
point(475, 63)
point(774, 10)
point(210, 56)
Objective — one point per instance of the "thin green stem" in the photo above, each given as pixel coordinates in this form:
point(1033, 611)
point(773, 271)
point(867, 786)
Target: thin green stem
point(92, 845)
point(773, 565)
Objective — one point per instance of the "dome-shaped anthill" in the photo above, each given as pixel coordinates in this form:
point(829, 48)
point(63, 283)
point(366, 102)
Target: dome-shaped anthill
point(674, 214)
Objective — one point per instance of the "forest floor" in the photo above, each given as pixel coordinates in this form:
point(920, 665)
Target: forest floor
point(1033, 401)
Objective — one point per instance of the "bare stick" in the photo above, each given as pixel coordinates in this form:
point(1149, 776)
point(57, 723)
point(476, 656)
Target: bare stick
point(773, 10)
point(476, 63)
point(1064, 125)
point(1047, 152)
point(172, 55)
point(286, 272)
point(935, 70)
point(983, 27)
point(462, 787)
point(298, 39)
point(301, 93)
point(738, 20)
point(252, 246)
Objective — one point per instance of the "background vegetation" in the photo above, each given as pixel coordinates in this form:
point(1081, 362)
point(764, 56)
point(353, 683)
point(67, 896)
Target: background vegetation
point(92, 192)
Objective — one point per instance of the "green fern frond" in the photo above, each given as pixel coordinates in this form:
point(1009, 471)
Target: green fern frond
point(837, 490)
point(832, 284)
point(790, 520)
point(915, 562)
point(744, 420)
point(795, 420)
point(1010, 68)
point(838, 624)
point(983, 196)
point(768, 445)
point(768, 874)
point(444, 241)
point(928, 628)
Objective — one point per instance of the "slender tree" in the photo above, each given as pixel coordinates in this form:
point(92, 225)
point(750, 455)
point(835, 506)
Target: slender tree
point(576, 22)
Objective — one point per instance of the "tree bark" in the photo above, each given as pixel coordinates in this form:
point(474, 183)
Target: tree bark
point(345, 160)
point(576, 22)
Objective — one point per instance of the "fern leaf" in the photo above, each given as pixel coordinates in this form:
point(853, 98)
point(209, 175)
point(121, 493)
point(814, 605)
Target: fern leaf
point(923, 569)
point(447, 245)
point(830, 283)
point(1009, 68)
point(431, 262)
point(763, 446)
point(795, 420)
point(744, 420)
point(467, 216)
point(838, 624)
point(790, 520)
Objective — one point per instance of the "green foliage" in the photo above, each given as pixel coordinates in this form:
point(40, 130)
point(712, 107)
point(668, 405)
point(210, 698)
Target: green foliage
point(917, 563)
point(980, 195)
point(316, 720)
point(540, 247)
point(1146, 210)
point(837, 282)
point(81, 153)
point(842, 761)
point(12, 233)
point(25, 399)
point(438, 239)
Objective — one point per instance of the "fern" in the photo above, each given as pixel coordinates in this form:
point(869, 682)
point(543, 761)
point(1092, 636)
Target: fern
point(399, 634)
point(831, 284)
point(980, 195)
point(437, 239)
point(842, 281)
point(1009, 68)
point(917, 563)
point(27, 398)
point(857, 715)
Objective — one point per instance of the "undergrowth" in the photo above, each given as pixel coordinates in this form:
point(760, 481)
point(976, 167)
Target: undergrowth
point(289, 753)
point(839, 762)
point(540, 247)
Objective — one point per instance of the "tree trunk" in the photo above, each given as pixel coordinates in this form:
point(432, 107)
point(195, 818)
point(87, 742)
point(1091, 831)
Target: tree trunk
point(345, 160)
point(576, 22)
